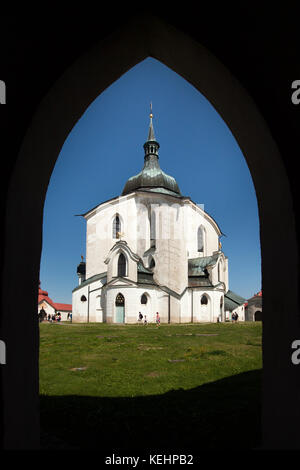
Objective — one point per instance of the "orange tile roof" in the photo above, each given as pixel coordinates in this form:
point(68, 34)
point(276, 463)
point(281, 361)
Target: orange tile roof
point(63, 307)
point(43, 295)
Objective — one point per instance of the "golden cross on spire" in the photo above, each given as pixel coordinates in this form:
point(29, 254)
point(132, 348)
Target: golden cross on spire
point(151, 115)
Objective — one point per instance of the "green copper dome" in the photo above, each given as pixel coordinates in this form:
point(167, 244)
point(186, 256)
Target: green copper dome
point(152, 178)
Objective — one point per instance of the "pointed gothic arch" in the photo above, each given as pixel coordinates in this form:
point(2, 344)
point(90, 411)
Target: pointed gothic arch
point(116, 226)
point(203, 309)
point(151, 262)
point(122, 265)
point(120, 299)
point(206, 73)
point(145, 306)
point(120, 308)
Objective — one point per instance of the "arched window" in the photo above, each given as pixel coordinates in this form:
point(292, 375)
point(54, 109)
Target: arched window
point(200, 239)
point(152, 263)
point(120, 300)
point(122, 265)
point(116, 226)
point(204, 300)
point(144, 299)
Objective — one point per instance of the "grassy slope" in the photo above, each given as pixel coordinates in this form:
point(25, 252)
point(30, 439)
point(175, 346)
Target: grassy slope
point(130, 388)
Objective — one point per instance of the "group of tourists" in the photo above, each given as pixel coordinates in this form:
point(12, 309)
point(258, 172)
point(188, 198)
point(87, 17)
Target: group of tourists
point(140, 319)
point(56, 317)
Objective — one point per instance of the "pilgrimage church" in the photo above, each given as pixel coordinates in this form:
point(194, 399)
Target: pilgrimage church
point(153, 250)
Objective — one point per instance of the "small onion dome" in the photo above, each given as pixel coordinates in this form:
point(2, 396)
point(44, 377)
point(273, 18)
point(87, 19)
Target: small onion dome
point(43, 292)
point(81, 268)
point(152, 178)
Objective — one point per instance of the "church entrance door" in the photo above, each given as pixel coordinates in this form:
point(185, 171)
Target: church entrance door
point(120, 308)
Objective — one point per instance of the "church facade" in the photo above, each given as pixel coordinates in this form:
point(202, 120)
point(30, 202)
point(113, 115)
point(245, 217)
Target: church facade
point(151, 250)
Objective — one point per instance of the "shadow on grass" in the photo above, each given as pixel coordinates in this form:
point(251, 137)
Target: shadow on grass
point(210, 416)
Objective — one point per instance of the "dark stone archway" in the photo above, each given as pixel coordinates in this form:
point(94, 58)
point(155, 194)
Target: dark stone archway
point(258, 315)
point(54, 118)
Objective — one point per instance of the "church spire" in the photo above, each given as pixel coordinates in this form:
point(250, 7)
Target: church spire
point(152, 178)
point(151, 146)
point(151, 135)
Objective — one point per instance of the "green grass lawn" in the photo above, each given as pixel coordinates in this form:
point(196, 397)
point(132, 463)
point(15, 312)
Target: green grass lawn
point(135, 386)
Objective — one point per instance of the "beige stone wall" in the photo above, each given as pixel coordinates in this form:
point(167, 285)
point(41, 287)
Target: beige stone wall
point(175, 310)
point(79, 308)
point(194, 217)
point(47, 307)
point(99, 239)
point(170, 255)
point(133, 304)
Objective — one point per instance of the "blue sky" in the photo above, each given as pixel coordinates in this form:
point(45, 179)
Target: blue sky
point(105, 148)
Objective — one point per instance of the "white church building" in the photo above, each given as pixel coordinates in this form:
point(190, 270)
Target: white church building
point(153, 250)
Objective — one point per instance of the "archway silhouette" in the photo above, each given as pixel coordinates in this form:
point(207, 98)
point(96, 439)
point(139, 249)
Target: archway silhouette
point(57, 114)
point(258, 315)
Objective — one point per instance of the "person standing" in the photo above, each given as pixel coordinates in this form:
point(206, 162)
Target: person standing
point(42, 315)
point(145, 321)
point(140, 317)
point(157, 319)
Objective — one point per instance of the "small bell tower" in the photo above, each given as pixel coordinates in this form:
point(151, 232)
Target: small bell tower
point(81, 268)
